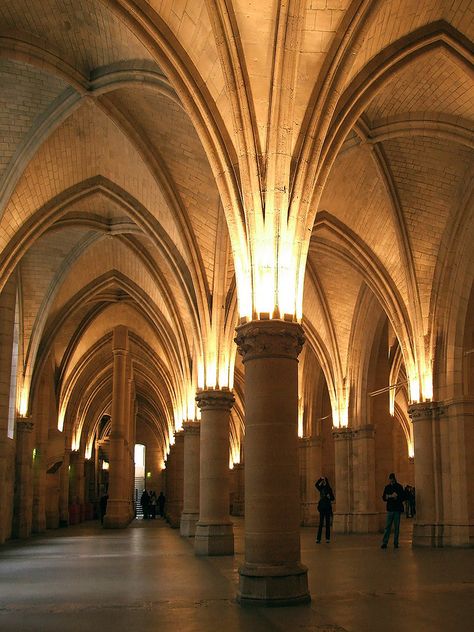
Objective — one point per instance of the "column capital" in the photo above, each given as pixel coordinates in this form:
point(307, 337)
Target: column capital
point(342, 434)
point(178, 437)
point(215, 399)
point(363, 432)
point(309, 442)
point(24, 424)
point(191, 427)
point(425, 410)
point(269, 339)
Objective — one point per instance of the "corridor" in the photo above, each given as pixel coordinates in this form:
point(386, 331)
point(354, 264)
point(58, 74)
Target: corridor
point(146, 578)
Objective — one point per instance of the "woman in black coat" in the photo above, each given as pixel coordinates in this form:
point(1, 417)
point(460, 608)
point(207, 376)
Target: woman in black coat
point(326, 498)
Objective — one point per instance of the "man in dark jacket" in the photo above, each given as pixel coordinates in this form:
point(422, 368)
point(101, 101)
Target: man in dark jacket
point(393, 495)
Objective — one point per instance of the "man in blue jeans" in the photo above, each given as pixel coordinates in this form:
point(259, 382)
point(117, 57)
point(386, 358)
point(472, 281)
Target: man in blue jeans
point(393, 495)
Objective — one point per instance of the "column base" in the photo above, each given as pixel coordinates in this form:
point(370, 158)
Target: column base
point(342, 522)
point(367, 522)
point(188, 523)
point(438, 535)
point(273, 586)
point(118, 515)
point(214, 539)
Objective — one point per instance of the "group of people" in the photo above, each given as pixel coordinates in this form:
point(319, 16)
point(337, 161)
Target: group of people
point(152, 504)
point(397, 499)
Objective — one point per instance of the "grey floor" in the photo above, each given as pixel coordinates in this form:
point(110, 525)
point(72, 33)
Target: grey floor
point(147, 578)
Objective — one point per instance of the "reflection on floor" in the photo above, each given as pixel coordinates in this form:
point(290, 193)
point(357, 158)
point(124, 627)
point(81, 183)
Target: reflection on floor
point(147, 578)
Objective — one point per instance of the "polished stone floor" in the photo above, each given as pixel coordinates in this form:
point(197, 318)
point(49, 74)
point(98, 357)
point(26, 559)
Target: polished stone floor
point(147, 578)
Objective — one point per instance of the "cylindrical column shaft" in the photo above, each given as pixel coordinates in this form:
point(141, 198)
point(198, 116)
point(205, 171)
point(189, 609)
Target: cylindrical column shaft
point(343, 472)
point(118, 505)
point(272, 573)
point(23, 501)
point(190, 514)
point(365, 519)
point(214, 530)
point(426, 531)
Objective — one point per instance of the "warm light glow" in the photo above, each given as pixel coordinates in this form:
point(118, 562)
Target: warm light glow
point(275, 289)
point(211, 370)
point(75, 443)
point(105, 465)
point(89, 447)
point(62, 414)
point(411, 449)
point(200, 374)
point(286, 278)
point(23, 406)
point(414, 390)
point(300, 417)
point(264, 298)
point(391, 400)
point(427, 385)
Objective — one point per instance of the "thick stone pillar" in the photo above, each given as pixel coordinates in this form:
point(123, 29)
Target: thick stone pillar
point(77, 498)
point(23, 502)
point(238, 505)
point(118, 505)
point(343, 490)
point(7, 456)
point(64, 475)
point(190, 514)
point(39, 489)
point(427, 530)
point(272, 573)
point(311, 459)
point(365, 519)
point(457, 435)
point(175, 481)
point(214, 530)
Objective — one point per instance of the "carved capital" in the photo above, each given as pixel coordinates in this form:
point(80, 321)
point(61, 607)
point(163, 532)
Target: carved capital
point(269, 339)
point(425, 410)
point(24, 425)
point(215, 399)
point(364, 432)
point(191, 427)
point(342, 434)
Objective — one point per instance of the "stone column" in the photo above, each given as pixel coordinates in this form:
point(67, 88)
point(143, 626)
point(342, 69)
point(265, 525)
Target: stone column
point(365, 518)
point(118, 505)
point(23, 501)
point(239, 489)
point(426, 530)
point(272, 573)
point(214, 530)
point(7, 457)
point(64, 490)
point(312, 449)
point(458, 440)
point(343, 490)
point(77, 462)
point(39, 489)
point(176, 481)
point(190, 514)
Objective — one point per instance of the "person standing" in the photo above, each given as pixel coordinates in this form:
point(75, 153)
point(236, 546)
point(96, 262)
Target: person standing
point(103, 506)
point(326, 498)
point(393, 495)
point(145, 503)
point(161, 504)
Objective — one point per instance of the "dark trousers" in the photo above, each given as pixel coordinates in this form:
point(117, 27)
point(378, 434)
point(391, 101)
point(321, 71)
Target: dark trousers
point(324, 516)
point(393, 517)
